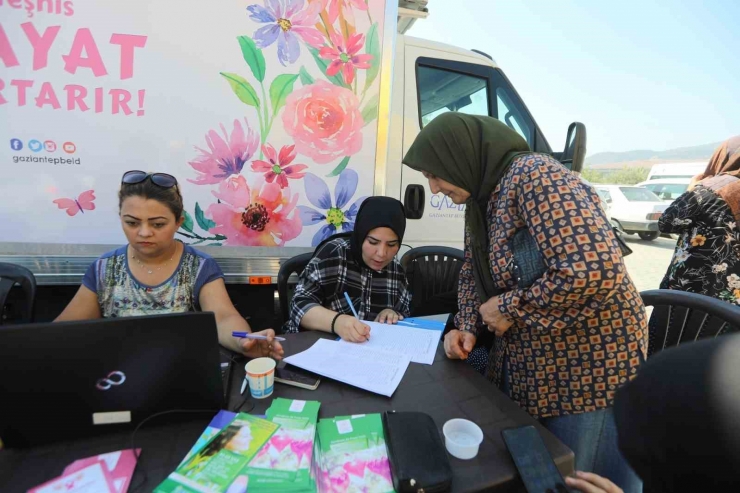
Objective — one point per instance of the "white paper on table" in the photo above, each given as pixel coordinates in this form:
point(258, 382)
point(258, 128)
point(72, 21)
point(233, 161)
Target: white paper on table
point(420, 345)
point(354, 364)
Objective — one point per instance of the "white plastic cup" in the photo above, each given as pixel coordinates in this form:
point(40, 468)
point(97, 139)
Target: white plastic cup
point(260, 377)
point(462, 438)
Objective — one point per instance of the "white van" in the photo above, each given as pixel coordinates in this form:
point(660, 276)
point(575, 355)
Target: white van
point(676, 170)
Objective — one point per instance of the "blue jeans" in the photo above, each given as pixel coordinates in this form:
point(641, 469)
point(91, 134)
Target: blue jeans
point(593, 439)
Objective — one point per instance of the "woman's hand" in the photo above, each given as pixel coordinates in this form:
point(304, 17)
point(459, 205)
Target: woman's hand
point(493, 318)
point(256, 348)
point(388, 316)
point(352, 330)
point(458, 344)
point(586, 482)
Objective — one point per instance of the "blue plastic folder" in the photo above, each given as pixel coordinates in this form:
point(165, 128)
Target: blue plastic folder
point(418, 323)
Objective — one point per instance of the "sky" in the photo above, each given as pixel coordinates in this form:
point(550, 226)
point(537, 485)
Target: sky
point(642, 74)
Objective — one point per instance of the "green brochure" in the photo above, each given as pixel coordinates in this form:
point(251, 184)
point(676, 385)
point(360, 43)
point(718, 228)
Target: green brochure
point(218, 465)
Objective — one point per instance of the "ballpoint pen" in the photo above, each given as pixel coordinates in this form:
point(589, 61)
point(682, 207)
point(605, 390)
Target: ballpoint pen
point(247, 335)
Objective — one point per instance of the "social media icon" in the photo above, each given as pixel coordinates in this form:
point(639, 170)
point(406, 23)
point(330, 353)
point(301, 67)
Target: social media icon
point(69, 147)
point(35, 145)
point(50, 146)
point(16, 144)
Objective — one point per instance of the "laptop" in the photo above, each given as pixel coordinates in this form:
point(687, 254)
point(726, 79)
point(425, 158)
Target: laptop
point(73, 379)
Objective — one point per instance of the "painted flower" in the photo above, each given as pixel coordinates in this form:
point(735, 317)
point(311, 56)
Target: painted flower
point(279, 165)
point(698, 240)
point(318, 194)
point(262, 216)
point(733, 281)
point(325, 121)
point(344, 56)
point(736, 293)
point(719, 268)
point(286, 22)
point(226, 155)
point(334, 7)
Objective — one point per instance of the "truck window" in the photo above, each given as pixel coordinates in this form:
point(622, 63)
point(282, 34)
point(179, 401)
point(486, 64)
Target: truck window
point(441, 91)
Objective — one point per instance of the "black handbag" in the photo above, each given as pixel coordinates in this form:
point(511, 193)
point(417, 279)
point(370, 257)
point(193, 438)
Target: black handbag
point(416, 453)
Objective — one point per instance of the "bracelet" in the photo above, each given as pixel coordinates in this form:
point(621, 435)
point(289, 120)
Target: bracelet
point(334, 321)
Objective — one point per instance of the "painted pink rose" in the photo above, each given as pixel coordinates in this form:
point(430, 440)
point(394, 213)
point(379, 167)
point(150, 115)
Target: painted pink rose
point(263, 216)
point(324, 121)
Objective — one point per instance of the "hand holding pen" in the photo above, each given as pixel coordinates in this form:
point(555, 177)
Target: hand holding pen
point(352, 329)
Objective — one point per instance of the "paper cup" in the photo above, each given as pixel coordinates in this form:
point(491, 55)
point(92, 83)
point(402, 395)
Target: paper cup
point(462, 438)
point(260, 377)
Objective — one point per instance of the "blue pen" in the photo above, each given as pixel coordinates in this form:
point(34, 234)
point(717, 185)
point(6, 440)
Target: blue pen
point(351, 306)
point(247, 335)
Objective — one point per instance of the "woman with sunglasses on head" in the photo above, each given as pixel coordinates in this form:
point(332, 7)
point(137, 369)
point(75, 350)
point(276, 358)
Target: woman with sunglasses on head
point(156, 274)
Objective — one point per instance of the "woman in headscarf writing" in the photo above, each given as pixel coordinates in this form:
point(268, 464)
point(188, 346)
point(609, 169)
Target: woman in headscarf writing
point(362, 264)
point(707, 255)
point(567, 338)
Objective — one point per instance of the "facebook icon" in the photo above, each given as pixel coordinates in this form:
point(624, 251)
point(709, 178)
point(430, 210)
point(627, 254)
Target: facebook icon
point(16, 144)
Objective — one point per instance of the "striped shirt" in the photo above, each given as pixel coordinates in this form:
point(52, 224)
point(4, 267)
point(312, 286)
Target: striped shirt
point(333, 271)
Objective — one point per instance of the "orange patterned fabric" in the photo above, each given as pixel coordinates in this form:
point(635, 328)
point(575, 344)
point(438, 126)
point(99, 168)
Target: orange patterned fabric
point(580, 331)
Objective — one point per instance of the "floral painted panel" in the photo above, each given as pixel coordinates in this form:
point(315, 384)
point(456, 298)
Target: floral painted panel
point(287, 173)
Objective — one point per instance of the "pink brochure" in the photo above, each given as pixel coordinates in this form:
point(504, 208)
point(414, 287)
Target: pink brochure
point(120, 466)
point(94, 478)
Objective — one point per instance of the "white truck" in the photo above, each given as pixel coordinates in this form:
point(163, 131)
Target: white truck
point(231, 99)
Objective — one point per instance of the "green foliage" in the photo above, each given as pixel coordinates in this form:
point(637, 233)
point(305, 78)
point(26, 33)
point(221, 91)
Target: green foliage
point(624, 176)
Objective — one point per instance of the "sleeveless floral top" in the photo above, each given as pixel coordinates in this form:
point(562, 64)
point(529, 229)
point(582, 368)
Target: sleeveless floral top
point(121, 295)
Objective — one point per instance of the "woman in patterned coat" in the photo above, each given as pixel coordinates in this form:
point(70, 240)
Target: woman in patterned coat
point(707, 256)
point(568, 335)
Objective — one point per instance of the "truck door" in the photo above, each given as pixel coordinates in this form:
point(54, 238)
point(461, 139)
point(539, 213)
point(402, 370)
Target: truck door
point(434, 86)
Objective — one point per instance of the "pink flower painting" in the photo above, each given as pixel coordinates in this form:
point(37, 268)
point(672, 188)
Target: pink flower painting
point(345, 56)
point(225, 155)
point(325, 121)
point(264, 215)
point(279, 167)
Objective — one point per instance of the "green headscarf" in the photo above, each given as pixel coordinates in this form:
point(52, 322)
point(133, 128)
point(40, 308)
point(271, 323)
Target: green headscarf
point(473, 153)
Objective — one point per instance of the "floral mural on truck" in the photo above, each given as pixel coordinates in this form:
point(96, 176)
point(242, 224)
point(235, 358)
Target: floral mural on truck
point(309, 87)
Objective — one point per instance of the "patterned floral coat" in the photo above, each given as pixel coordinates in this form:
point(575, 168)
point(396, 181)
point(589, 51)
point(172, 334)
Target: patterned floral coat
point(580, 331)
point(707, 256)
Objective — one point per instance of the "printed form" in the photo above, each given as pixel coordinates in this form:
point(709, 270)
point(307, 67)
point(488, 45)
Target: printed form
point(358, 365)
point(420, 345)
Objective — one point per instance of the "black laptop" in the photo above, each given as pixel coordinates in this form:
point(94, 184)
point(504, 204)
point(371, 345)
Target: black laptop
point(72, 379)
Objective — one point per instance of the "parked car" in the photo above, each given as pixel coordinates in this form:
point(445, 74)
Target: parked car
point(633, 209)
point(667, 189)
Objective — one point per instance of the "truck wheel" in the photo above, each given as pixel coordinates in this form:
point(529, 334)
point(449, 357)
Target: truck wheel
point(648, 235)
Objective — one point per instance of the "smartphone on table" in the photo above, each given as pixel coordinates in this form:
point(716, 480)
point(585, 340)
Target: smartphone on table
point(298, 377)
point(533, 461)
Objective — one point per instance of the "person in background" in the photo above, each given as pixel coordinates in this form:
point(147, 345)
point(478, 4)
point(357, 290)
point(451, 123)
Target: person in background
point(156, 274)
point(362, 264)
point(677, 421)
point(566, 339)
point(707, 255)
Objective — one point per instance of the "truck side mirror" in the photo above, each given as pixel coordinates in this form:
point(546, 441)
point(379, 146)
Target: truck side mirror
point(575, 147)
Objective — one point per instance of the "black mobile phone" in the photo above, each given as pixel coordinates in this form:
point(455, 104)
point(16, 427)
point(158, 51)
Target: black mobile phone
point(533, 461)
point(298, 377)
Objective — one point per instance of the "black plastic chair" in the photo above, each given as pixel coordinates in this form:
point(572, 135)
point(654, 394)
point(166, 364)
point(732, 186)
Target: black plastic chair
point(432, 273)
point(680, 317)
point(290, 266)
point(10, 275)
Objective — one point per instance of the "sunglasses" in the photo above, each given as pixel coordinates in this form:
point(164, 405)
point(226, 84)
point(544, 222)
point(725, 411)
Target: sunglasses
point(160, 179)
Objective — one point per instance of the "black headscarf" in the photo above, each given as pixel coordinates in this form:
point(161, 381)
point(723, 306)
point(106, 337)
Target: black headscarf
point(377, 212)
point(679, 421)
point(473, 153)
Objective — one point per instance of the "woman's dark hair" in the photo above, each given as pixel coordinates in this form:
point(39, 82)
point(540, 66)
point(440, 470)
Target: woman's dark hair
point(170, 197)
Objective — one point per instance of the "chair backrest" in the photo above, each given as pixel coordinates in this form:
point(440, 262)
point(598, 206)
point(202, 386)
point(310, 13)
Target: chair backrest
point(432, 273)
point(679, 317)
point(10, 275)
point(292, 265)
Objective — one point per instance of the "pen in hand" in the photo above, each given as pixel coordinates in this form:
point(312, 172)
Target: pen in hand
point(352, 307)
point(248, 335)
